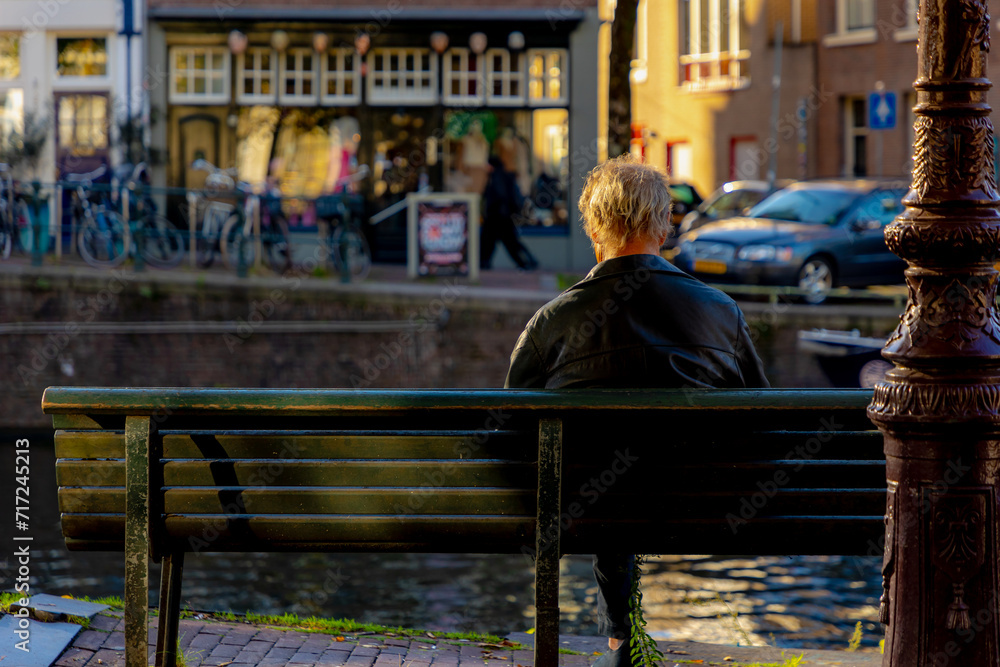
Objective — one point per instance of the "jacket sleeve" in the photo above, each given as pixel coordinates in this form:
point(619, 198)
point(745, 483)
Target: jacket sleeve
point(749, 363)
point(527, 371)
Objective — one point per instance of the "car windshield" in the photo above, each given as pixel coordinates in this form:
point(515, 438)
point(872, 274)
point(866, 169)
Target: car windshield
point(732, 202)
point(821, 207)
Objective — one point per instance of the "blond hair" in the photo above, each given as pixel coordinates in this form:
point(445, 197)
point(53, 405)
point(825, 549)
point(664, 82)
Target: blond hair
point(625, 200)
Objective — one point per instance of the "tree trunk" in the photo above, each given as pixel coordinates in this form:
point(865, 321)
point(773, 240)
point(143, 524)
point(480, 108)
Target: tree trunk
point(619, 89)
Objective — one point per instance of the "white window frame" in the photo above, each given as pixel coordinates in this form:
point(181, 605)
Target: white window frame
point(258, 74)
point(711, 56)
point(851, 131)
point(545, 78)
point(19, 39)
point(505, 76)
point(463, 77)
point(299, 76)
point(208, 97)
point(908, 32)
point(846, 36)
point(98, 80)
point(381, 94)
point(341, 75)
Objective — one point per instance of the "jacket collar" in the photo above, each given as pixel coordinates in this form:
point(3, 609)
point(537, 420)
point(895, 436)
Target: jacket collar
point(617, 266)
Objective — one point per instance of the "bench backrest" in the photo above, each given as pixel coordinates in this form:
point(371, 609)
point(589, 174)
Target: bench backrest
point(653, 471)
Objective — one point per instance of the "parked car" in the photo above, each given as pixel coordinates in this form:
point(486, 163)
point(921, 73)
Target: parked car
point(813, 235)
point(732, 199)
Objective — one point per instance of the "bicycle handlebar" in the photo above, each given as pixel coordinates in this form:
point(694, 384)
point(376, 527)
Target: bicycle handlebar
point(83, 179)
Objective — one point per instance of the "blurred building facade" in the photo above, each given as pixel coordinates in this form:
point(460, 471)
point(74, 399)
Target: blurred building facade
point(70, 76)
point(301, 95)
point(703, 88)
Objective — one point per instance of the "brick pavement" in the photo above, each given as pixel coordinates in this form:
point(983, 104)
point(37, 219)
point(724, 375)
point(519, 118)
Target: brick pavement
point(220, 644)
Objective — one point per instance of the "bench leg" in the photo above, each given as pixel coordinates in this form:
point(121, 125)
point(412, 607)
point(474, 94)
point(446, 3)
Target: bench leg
point(547, 543)
point(170, 609)
point(137, 432)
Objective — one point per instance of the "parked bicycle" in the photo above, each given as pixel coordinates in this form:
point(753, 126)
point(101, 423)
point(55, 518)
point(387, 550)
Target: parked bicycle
point(15, 223)
point(103, 238)
point(345, 244)
point(158, 241)
point(227, 233)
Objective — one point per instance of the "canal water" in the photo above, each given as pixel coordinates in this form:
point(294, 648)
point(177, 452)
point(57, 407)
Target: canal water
point(788, 602)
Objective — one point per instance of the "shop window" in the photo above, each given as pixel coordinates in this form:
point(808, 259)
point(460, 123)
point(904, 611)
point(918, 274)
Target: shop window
point(10, 57)
point(715, 45)
point(11, 113)
point(298, 77)
point(256, 75)
point(402, 75)
point(547, 77)
point(504, 77)
point(340, 77)
point(83, 123)
point(84, 57)
point(463, 77)
point(199, 75)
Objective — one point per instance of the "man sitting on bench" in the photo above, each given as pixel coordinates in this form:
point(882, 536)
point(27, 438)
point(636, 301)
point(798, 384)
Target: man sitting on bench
point(634, 321)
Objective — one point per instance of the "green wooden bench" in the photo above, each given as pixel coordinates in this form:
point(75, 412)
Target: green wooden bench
point(160, 472)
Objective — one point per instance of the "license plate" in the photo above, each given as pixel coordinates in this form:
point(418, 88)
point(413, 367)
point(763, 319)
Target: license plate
point(709, 266)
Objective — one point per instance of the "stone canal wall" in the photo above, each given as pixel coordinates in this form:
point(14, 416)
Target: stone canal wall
point(123, 329)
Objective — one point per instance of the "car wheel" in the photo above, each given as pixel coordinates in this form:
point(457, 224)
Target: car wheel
point(815, 280)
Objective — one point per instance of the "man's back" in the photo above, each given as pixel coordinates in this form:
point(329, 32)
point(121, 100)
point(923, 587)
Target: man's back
point(636, 321)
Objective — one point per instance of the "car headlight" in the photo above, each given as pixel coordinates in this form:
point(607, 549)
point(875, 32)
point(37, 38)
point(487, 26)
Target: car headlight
point(764, 253)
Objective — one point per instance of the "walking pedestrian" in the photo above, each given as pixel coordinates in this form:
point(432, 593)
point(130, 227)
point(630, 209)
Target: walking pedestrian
point(502, 201)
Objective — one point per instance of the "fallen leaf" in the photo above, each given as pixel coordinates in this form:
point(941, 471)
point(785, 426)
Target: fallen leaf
point(507, 642)
point(340, 639)
point(530, 631)
point(596, 653)
point(431, 636)
point(728, 659)
point(66, 597)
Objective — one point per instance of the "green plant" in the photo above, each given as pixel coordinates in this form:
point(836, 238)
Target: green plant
point(733, 614)
point(642, 648)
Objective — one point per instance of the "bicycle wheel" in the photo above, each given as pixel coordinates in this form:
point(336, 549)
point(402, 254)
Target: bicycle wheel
point(162, 244)
point(237, 245)
point(6, 238)
point(277, 248)
point(104, 240)
point(350, 245)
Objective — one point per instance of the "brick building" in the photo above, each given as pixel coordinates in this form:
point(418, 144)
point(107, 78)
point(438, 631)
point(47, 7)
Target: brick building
point(703, 91)
point(423, 92)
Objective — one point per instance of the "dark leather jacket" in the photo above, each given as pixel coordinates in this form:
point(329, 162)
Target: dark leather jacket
point(636, 321)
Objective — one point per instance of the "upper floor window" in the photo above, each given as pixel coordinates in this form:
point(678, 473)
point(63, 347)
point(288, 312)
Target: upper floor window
point(86, 56)
point(547, 77)
point(199, 74)
point(504, 77)
point(463, 77)
point(715, 45)
point(340, 77)
point(256, 76)
point(402, 75)
point(855, 23)
point(906, 25)
point(298, 77)
point(10, 56)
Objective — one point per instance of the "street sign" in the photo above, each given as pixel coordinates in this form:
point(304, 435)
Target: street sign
point(882, 111)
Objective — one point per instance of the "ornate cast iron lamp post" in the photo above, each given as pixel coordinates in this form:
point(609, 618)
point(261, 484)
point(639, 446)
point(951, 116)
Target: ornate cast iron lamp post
point(939, 408)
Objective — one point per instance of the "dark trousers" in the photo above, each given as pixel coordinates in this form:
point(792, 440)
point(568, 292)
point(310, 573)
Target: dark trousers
point(613, 572)
point(503, 230)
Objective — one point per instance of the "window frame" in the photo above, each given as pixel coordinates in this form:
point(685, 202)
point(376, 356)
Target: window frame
point(208, 97)
point(96, 80)
point(382, 95)
point(847, 36)
point(545, 79)
point(464, 77)
point(505, 77)
point(342, 75)
point(908, 32)
point(258, 73)
point(299, 76)
point(715, 68)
